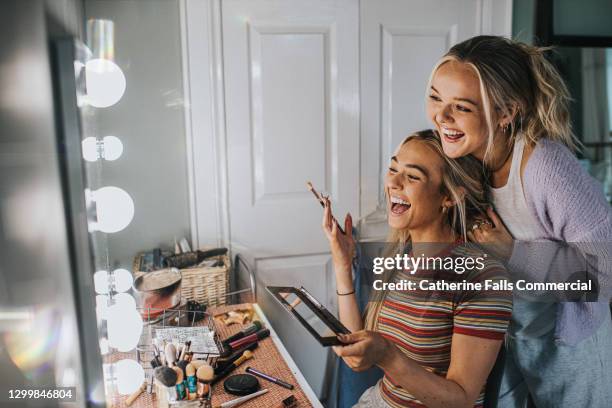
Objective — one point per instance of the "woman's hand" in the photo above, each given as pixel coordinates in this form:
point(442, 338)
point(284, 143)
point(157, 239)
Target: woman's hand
point(342, 246)
point(495, 237)
point(364, 349)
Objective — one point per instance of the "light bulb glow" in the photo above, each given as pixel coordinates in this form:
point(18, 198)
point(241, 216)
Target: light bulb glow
point(126, 301)
point(113, 148)
point(109, 148)
point(102, 306)
point(101, 282)
point(123, 280)
point(130, 375)
point(105, 82)
point(89, 146)
point(114, 207)
point(124, 326)
point(104, 348)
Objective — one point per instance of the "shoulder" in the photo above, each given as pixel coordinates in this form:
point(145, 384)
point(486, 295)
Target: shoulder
point(565, 197)
point(549, 157)
point(553, 170)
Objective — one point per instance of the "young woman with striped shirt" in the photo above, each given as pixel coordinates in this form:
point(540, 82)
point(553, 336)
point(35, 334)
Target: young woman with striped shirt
point(436, 348)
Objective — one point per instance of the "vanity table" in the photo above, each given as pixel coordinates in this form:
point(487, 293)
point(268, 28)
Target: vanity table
point(270, 356)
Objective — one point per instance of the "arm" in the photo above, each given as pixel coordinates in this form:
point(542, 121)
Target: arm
point(342, 247)
point(571, 207)
point(472, 359)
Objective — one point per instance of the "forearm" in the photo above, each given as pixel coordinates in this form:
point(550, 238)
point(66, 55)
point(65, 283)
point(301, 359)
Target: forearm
point(348, 309)
point(431, 389)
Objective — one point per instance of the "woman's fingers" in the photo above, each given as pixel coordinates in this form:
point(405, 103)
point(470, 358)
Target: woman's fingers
point(494, 217)
point(348, 225)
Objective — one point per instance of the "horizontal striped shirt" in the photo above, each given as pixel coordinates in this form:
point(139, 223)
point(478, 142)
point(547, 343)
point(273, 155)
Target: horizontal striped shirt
point(421, 323)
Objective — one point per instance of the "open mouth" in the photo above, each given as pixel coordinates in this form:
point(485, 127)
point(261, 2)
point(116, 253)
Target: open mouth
point(399, 206)
point(452, 135)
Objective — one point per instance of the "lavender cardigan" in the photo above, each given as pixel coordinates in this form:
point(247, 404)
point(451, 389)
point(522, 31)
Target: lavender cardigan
point(570, 207)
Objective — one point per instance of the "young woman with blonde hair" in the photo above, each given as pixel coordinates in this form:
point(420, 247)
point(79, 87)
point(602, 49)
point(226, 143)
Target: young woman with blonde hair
point(503, 103)
point(436, 347)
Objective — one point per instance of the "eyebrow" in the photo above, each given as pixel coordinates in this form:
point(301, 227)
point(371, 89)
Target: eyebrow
point(459, 99)
point(413, 166)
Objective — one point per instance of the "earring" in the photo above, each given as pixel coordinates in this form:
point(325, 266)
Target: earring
point(444, 209)
point(506, 127)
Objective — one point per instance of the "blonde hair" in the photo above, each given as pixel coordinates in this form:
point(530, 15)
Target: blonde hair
point(464, 181)
point(517, 80)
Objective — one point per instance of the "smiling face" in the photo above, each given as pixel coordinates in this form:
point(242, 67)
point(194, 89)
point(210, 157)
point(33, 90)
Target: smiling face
point(413, 186)
point(455, 107)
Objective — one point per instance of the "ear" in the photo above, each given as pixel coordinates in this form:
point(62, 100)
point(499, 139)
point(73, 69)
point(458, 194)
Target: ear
point(449, 201)
point(508, 117)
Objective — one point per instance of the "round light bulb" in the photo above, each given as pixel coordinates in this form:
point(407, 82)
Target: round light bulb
point(102, 306)
point(105, 82)
point(114, 207)
point(123, 280)
point(126, 301)
point(101, 282)
point(113, 148)
point(124, 326)
point(104, 348)
point(89, 146)
point(130, 375)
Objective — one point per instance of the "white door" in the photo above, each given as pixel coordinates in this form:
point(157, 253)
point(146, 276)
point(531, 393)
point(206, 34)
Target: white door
point(400, 43)
point(292, 115)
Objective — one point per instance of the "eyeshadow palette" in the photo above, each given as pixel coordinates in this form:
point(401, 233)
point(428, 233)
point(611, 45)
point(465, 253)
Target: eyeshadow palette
point(319, 322)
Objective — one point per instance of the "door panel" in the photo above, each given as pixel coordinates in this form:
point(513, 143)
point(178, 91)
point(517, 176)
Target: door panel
point(292, 115)
point(400, 43)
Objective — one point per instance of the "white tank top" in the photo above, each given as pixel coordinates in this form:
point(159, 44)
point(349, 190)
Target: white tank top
point(510, 202)
point(530, 318)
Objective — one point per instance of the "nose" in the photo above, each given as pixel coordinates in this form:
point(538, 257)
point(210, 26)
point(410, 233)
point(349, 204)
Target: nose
point(444, 114)
point(394, 181)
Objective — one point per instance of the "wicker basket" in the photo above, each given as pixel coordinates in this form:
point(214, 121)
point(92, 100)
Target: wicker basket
point(207, 285)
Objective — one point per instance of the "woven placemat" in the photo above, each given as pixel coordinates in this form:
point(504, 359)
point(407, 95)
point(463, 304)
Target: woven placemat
point(266, 358)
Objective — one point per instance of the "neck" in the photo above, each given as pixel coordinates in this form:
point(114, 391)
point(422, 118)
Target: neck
point(499, 161)
point(439, 232)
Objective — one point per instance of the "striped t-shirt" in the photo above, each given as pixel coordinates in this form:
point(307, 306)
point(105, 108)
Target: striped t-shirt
point(422, 322)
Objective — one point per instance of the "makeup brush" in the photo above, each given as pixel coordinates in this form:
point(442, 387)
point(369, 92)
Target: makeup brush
point(319, 198)
point(155, 362)
point(245, 356)
point(135, 394)
point(192, 381)
point(197, 363)
point(184, 350)
point(205, 374)
point(166, 378)
point(183, 366)
point(170, 352)
point(181, 393)
point(238, 401)
point(235, 356)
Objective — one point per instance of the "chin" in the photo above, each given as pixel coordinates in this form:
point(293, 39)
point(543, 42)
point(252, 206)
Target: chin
point(454, 150)
point(397, 224)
